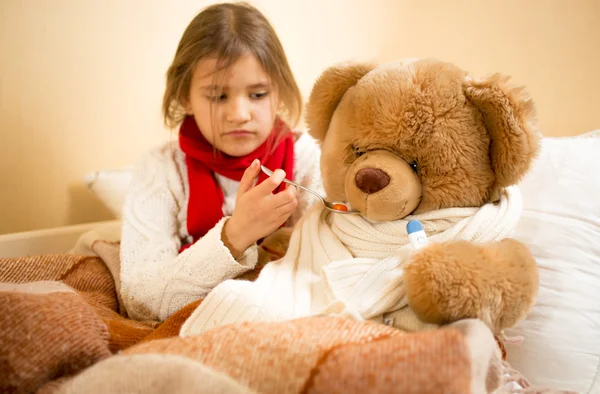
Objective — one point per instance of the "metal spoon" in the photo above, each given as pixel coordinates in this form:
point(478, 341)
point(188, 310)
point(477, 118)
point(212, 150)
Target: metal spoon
point(335, 206)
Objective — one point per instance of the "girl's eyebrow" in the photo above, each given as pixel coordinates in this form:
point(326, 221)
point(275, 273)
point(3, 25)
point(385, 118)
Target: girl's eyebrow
point(212, 87)
point(259, 85)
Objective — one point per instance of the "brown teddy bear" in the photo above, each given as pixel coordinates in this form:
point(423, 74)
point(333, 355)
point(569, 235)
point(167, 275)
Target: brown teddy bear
point(424, 140)
point(401, 142)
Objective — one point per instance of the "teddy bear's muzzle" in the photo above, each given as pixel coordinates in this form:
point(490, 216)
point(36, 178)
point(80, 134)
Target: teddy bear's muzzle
point(382, 186)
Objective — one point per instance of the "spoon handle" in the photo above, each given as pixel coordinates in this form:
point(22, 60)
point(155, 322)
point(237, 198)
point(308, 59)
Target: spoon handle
point(269, 172)
point(304, 188)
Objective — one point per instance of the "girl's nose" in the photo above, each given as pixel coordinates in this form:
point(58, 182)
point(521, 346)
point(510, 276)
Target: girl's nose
point(238, 111)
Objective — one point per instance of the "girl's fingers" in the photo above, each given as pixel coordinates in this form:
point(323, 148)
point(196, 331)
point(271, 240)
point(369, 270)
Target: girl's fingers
point(248, 178)
point(274, 218)
point(284, 197)
point(271, 183)
point(285, 210)
point(272, 210)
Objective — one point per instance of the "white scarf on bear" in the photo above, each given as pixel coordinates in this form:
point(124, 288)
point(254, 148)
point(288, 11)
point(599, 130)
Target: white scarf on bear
point(346, 264)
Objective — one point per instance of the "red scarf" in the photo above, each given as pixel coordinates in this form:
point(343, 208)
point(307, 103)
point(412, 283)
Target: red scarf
point(205, 205)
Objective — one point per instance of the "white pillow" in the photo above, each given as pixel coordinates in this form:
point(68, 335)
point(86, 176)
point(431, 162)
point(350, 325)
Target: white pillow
point(110, 186)
point(561, 225)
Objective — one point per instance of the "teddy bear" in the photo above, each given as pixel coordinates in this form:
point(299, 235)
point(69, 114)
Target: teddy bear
point(422, 139)
point(401, 141)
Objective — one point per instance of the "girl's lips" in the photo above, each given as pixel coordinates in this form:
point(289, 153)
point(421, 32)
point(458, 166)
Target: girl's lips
point(239, 133)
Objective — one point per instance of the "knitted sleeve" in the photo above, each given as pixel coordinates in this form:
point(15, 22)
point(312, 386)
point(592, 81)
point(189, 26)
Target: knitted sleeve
point(157, 280)
point(307, 172)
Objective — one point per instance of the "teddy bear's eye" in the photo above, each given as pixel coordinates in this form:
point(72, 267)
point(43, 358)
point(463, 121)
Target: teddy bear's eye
point(358, 152)
point(415, 166)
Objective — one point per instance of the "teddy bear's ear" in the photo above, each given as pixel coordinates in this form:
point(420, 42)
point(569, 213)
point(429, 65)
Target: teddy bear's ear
point(327, 92)
point(509, 116)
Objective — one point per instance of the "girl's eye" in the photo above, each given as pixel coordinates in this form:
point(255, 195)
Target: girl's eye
point(217, 98)
point(358, 152)
point(260, 95)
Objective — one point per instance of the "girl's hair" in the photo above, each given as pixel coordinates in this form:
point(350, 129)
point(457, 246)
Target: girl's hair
point(226, 32)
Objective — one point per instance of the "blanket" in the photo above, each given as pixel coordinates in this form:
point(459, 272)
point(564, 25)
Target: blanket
point(349, 265)
point(62, 330)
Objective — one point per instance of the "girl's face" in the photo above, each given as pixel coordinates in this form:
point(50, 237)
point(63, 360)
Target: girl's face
point(236, 116)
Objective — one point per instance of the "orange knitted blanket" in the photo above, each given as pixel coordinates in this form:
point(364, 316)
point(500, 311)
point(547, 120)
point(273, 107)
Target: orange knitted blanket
point(63, 330)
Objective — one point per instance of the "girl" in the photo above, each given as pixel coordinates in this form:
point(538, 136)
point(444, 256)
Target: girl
point(194, 212)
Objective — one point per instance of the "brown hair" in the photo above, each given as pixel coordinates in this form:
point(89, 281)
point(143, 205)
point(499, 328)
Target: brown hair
point(227, 31)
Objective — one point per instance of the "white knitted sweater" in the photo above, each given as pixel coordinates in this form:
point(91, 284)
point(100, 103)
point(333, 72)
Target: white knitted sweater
point(156, 280)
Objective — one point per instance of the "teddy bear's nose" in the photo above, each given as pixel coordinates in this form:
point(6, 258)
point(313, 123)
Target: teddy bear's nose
point(371, 180)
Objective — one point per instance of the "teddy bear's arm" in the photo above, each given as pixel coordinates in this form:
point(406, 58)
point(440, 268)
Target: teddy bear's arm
point(272, 248)
point(496, 282)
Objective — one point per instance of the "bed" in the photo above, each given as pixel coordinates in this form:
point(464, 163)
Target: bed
point(561, 347)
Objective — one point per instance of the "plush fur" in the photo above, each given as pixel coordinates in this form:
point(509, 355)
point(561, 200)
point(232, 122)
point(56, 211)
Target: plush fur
point(399, 139)
point(272, 248)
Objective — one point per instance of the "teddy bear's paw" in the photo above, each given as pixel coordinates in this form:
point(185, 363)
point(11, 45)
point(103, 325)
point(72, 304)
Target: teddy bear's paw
point(272, 248)
point(433, 284)
point(277, 243)
point(494, 282)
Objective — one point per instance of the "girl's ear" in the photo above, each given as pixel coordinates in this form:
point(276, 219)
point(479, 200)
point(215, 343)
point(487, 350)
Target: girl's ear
point(187, 106)
point(327, 92)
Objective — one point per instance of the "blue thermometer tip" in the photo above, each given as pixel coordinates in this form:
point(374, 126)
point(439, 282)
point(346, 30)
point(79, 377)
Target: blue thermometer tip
point(413, 226)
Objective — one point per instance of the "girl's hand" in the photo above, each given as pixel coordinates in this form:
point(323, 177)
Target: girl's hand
point(258, 211)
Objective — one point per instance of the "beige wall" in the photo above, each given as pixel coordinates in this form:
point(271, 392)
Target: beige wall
point(81, 80)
